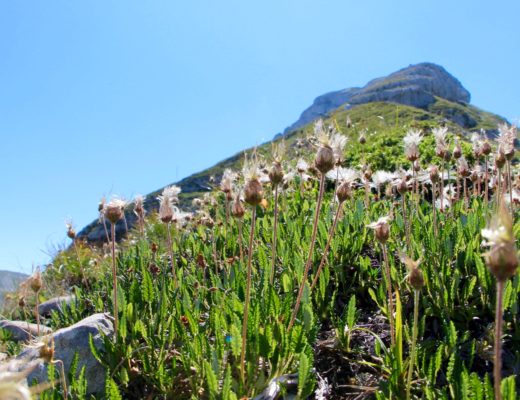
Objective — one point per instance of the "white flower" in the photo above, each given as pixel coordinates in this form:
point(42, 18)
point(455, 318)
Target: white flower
point(302, 165)
point(343, 174)
point(250, 168)
point(381, 221)
point(172, 192)
point(379, 178)
point(226, 183)
point(413, 137)
point(411, 143)
point(338, 143)
point(506, 138)
point(440, 135)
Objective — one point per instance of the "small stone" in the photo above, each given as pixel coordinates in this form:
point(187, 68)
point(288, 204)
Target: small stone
point(55, 304)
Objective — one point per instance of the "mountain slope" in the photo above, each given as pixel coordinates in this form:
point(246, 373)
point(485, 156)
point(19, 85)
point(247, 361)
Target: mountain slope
point(420, 96)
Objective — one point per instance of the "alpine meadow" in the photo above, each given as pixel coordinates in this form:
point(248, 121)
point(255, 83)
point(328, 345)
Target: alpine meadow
point(366, 252)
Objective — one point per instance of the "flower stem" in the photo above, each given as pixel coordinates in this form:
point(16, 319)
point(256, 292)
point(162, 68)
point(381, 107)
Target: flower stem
point(248, 294)
point(275, 232)
point(405, 220)
point(311, 251)
point(497, 367)
point(414, 340)
point(486, 180)
point(389, 292)
point(170, 251)
point(114, 281)
point(327, 246)
point(434, 188)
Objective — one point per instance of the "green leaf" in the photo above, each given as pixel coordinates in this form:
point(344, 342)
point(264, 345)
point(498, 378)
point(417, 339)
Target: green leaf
point(111, 389)
point(351, 312)
point(303, 373)
point(211, 380)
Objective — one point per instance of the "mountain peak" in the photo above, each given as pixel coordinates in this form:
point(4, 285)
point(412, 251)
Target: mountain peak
point(416, 85)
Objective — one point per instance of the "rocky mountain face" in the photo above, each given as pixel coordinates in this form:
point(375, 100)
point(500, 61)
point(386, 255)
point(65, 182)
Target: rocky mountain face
point(416, 85)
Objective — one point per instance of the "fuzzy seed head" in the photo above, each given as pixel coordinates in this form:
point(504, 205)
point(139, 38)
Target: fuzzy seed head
point(36, 282)
point(415, 276)
point(344, 192)
point(411, 144)
point(381, 229)
point(113, 211)
point(276, 173)
point(253, 192)
point(502, 258)
point(237, 208)
point(324, 160)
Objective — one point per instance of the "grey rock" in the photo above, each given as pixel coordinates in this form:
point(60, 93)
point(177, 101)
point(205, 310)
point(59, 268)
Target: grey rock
point(72, 340)
point(22, 331)
point(3, 357)
point(416, 85)
point(55, 304)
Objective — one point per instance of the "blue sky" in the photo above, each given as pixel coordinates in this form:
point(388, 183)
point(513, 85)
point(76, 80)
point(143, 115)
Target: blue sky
point(124, 97)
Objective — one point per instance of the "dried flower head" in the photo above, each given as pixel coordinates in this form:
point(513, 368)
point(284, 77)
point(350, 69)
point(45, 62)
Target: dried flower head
point(228, 178)
point(167, 199)
point(441, 143)
point(502, 258)
point(381, 228)
point(113, 211)
point(411, 144)
point(35, 281)
point(415, 276)
point(338, 143)
point(253, 190)
point(463, 167)
point(71, 232)
point(139, 206)
point(506, 140)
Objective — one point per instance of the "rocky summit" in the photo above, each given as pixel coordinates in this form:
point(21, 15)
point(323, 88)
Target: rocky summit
point(417, 85)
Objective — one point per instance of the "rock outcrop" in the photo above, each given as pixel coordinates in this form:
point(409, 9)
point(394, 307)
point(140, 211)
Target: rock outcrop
point(21, 331)
point(72, 340)
point(416, 85)
point(55, 304)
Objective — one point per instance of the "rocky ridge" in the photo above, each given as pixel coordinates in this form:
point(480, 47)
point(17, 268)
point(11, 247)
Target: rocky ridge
point(416, 85)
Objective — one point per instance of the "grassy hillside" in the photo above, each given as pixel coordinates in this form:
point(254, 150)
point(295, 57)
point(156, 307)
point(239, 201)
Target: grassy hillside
point(366, 329)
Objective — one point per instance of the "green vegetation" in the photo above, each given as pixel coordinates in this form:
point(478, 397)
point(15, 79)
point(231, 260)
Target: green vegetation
point(181, 301)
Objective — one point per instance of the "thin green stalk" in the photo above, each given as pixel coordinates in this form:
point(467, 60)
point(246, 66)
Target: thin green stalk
point(405, 220)
point(311, 251)
point(170, 251)
point(275, 233)
point(434, 209)
point(414, 341)
point(248, 294)
point(486, 181)
point(442, 186)
point(388, 279)
point(510, 187)
point(497, 367)
point(327, 246)
point(240, 242)
point(114, 281)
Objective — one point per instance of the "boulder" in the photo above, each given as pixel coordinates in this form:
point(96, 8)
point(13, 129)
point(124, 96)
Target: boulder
point(55, 304)
point(72, 340)
point(22, 331)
